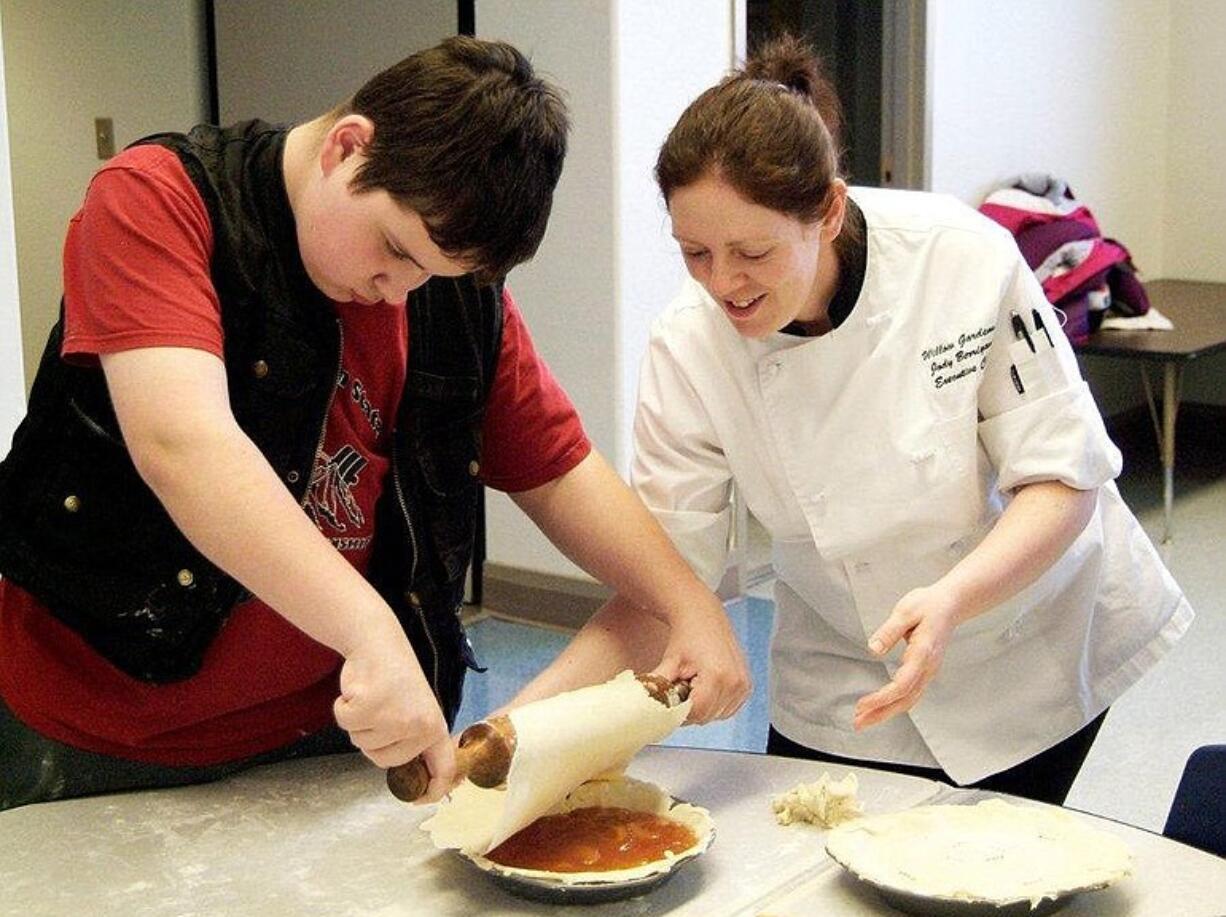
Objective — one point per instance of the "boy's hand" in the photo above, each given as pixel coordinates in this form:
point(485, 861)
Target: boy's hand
point(389, 711)
point(703, 650)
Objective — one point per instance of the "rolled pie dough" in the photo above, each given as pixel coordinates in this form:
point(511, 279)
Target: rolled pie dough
point(993, 852)
point(560, 743)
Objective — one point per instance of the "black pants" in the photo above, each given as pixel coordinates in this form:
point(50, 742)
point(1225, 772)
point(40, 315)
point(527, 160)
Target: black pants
point(34, 768)
point(1047, 776)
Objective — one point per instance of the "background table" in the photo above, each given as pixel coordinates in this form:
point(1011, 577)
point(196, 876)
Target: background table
point(324, 836)
point(1198, 311)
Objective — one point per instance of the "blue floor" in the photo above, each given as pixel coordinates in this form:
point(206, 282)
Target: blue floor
point(516, 652)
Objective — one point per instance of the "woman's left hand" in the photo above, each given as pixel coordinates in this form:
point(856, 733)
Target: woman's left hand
point(925, 618)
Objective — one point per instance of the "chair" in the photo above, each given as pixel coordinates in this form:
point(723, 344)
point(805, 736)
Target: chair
point(1198, 811)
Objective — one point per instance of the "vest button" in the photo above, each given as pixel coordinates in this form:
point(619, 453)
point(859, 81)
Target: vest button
point(414, 600)
point(72, 503)
point(292, 477)
point(259, 369)
point(474, 468)
point(185, 577)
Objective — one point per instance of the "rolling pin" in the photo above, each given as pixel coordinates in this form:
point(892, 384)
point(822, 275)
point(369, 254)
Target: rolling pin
point(483, 756)
point(486, 747)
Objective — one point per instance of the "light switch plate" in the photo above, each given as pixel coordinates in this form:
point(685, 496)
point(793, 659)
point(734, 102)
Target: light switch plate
point(104, 136)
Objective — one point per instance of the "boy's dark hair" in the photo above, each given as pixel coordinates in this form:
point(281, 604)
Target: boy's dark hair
point(471, 139)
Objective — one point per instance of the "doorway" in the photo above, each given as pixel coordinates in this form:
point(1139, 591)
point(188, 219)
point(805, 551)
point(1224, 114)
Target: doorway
point(874, 52)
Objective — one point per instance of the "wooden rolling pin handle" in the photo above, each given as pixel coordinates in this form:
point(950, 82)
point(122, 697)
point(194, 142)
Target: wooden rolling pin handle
point(669, 693)
point(483, 756)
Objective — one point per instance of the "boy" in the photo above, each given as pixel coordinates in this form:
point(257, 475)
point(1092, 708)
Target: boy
point(242, 502)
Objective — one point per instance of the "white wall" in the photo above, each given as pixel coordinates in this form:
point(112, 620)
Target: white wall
point(1195, 187)
point(12, 387)
point(66, 64)
point(566, 291)
point(1077, 88)
point(1124, 99)
point(659, 72)
point(287, 61)
point(607, 264)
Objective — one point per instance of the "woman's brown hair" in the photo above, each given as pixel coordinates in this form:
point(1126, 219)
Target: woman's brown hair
point(770, 129)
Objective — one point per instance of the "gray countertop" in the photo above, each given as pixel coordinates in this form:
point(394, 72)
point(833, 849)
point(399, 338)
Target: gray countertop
point(323, 836)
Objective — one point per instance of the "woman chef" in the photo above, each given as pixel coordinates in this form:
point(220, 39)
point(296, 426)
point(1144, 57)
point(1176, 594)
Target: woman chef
point(880, 376)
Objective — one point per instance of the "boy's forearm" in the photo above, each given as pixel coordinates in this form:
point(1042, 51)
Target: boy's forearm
point(597, 521)
point(228, 501)
point(618, 636)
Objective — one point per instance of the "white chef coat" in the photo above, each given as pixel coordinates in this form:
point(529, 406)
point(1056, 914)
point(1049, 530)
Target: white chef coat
point(880, 454)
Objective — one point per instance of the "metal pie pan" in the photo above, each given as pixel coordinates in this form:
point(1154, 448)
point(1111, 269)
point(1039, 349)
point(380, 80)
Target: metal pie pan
point(911, 902)
point(993, 832)
point(557, 891)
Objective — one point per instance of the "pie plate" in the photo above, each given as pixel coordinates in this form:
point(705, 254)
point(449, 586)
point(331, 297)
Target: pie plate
point(994, 859)
point(554, 891)
point(598, 888)
point(939, 906)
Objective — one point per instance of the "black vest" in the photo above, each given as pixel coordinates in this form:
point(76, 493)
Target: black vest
point(82, 532)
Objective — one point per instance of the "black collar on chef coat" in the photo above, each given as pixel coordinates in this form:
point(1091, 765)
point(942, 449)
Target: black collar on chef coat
point(852, 262)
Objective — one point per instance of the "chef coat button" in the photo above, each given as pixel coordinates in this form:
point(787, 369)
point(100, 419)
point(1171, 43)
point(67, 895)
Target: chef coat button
point(72, 503)
point(474, 468)
point(185, 577)
point(292, 477)
point(259, 369)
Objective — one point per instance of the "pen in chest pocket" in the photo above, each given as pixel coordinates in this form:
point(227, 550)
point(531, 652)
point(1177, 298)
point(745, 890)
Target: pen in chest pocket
point(1017, 380)
point(1019, 330)
point(1020, 333)
point(1040, 325)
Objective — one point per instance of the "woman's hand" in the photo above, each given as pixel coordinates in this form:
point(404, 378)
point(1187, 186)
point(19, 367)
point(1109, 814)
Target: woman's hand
point(1036, 528)
point(925, 618)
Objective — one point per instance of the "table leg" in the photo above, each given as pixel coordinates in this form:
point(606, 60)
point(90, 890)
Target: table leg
point(1171, 378)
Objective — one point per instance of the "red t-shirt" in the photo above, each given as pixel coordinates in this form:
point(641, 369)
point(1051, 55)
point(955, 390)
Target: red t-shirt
point(136, 275)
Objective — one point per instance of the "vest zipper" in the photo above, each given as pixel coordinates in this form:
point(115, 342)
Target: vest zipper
point(413, 600)
point(93, 425)
point(421, 614)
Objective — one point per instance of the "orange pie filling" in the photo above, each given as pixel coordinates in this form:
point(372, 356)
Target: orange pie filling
point(593, 839)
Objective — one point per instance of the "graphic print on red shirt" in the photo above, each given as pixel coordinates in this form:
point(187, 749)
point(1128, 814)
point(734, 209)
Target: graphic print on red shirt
point(353, 462)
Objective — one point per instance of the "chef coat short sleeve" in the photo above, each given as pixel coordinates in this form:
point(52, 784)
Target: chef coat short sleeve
point(1052, 429)
point(679, 469)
